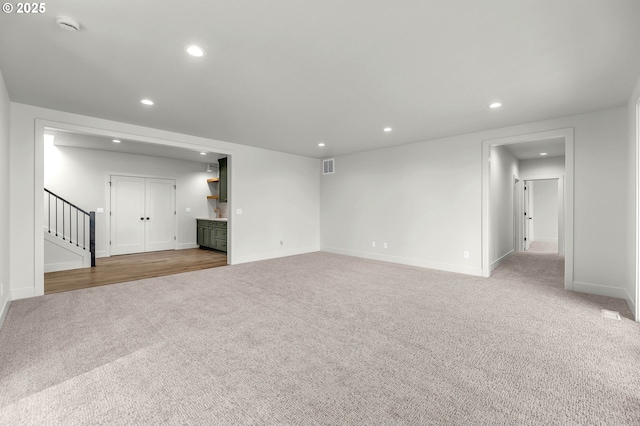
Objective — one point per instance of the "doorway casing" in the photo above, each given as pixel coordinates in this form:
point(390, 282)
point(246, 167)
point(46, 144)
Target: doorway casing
point(42, 124)
point(567, 134)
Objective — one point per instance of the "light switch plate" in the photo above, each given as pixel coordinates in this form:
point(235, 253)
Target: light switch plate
point(238, 211)
point(100, 210)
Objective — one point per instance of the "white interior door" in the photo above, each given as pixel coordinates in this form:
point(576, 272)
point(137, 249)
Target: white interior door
point(528, 219)
point(127, 214)
point(142, 214)
point(160, 214)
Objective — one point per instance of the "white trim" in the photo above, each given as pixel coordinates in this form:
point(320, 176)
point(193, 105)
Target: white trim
point(184, 246)
point(630, 303)
point(24, 293)
point(497, 263)
point(567, 133)
point(467, 270)
point(274, 255)
point(4, 311)
point(602, 290)
point(636, 309)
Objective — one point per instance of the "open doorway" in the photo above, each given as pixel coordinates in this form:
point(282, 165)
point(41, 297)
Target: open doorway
point(169, 185)
point(542, 203)
point(508, 163)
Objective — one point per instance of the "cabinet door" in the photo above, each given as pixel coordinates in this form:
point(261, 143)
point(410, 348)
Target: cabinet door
point(200, 235)
point(222, 185)
point(211, 235)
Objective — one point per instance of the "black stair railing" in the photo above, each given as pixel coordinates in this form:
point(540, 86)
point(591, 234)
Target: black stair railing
point(71, 223)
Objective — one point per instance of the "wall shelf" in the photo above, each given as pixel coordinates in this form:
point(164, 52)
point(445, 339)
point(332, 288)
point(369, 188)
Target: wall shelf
point(212, 197)
point(213, 180)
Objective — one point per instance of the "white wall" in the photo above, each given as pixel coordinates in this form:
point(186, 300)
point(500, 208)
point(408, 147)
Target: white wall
point(81, 176)
point(426, 198)
point(421, 199)
point(544, 210)
point(542, 168)
point(632, 244)
point(503, 167)
point(278, 193)
point(5, 251)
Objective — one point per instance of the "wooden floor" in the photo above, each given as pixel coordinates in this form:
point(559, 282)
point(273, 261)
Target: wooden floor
point(130, 267)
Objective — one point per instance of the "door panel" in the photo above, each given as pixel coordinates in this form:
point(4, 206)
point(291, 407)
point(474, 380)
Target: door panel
point(127, 209)
point(528, 224)
point(142, 214)
point(160, 215)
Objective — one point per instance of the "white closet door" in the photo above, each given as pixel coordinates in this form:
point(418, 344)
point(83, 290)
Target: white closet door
point(127, 214)
point(160, 214)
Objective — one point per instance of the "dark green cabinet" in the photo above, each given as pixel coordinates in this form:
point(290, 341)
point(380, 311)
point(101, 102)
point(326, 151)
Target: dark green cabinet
point(222, 186)
point(212, 234)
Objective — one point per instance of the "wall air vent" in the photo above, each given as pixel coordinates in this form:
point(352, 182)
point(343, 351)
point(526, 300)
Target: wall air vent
point(329, 166)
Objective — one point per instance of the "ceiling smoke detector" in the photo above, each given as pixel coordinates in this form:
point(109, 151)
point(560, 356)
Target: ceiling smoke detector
point(67, 23)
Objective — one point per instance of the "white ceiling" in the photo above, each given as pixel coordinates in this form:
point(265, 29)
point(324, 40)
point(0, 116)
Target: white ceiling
point(531, 150)
point(87, 141)
point(287, 74)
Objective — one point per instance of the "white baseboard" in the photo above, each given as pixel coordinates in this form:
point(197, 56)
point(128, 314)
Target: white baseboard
point(497, 263)
point(546, 240)
point(460, 269)
point(3, 312)
point(101, 253)
point(23, 293)
point(602, 290)
point(273, 255)
point(184, 246)
point(631, 304)
point(64, 266)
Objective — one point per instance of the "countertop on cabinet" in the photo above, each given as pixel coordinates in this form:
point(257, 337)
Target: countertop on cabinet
point(221, 219)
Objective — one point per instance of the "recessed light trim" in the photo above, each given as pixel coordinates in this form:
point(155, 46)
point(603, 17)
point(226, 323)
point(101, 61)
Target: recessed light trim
point(195, 51)
point(387, 129)
point(148, 102)
point(321, 144)
point(495, 105)
point(116, 141)
point(203, 153)
point(544, 153)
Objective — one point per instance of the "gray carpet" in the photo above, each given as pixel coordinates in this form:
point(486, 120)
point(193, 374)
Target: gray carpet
point(323, 339)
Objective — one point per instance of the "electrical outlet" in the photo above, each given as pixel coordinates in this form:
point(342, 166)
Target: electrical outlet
point(188, 209)
point(466, 254)
point(373, 243)
point(384, 245)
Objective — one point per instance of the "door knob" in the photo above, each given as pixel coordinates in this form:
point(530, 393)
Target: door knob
point(142, 218)
point(147, 218)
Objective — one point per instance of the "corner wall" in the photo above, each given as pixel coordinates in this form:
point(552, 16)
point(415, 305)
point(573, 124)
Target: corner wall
point(5, 252)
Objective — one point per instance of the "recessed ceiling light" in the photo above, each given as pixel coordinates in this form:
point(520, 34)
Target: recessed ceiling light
point(116, 141)
point(321, 144)
point(495, 105)
point(147, 101)
point(387, 129)
point(203, 153)
point(543, 153)
point(195, 51)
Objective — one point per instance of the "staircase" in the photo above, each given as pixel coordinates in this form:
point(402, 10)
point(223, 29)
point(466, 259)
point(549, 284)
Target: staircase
point(70, 241)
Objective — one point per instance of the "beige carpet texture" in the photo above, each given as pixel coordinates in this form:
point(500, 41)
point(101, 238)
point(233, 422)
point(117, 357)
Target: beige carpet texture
point(323, 339)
